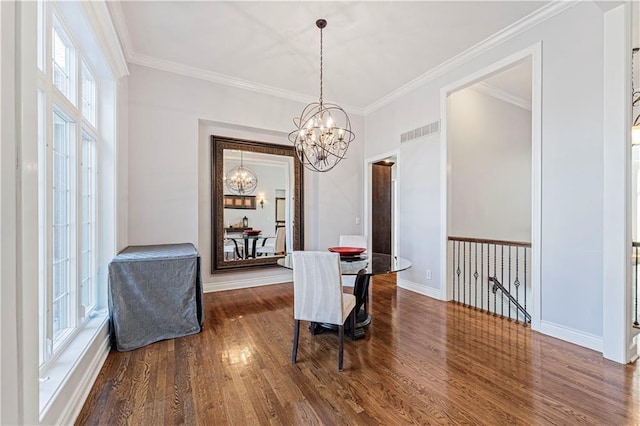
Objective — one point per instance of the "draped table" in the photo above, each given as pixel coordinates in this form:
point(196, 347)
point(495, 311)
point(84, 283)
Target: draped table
point(155, 293)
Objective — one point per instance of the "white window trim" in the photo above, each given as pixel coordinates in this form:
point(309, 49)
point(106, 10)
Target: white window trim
point(89, 334)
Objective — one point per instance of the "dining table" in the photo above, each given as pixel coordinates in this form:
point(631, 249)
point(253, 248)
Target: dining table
point(248, 241)
point(363, 267)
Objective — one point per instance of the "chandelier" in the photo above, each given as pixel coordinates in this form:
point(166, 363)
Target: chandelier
point(323, 131)
point(241, 180)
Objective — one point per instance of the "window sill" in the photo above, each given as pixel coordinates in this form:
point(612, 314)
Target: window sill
point(81, 350)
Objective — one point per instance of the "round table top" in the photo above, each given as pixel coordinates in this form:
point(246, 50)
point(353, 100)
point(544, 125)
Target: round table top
point(367, 264)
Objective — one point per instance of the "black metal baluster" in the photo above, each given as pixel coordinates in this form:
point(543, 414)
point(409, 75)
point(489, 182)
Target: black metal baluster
point(495, 276)
point(458, 273)
point(524, 322)
point(475, 274)
point(510, 282)
point(501, 280)
point(469, 274)
point(464, 273)
point(516, 283)
point(488, 275)
point(453, 272)
point(481, 275)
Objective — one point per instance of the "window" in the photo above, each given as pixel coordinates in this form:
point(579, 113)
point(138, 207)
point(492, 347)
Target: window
point(76, 122)
point(63, 63)
point(88, 228)
point(62, 207)
point(68, 137)
point(88, 95)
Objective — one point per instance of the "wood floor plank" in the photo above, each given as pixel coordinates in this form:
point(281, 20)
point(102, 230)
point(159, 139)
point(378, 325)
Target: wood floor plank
point(422, 361)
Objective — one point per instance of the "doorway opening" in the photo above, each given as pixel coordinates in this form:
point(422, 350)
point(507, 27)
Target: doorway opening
point(381, 180)
point(491, 188)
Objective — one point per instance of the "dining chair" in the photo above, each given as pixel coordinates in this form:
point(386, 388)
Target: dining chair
point(232, 250)
point(318, 296)
point(352, 241)
point(271, 245)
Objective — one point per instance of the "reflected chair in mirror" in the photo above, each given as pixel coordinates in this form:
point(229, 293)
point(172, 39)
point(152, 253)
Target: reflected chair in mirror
point(273, 245)
point(232, 251)
point(318, 296)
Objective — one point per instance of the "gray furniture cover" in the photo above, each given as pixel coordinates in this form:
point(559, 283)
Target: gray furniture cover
point(155, 293)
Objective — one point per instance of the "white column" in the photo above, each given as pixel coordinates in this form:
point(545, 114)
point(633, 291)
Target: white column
point(617, 186)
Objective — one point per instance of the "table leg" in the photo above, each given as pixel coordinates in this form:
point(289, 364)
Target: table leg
point(361, 291)
point(253, 249)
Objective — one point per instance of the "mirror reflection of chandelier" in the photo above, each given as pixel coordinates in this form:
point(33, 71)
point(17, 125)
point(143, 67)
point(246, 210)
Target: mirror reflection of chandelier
point(241, 180)
point(323, 131)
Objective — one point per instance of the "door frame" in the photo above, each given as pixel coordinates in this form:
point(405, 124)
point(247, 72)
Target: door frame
point(368, 162)
point(535, 52)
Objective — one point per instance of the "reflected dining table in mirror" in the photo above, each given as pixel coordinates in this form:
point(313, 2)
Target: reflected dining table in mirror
point(245, 244)
point(363, 268)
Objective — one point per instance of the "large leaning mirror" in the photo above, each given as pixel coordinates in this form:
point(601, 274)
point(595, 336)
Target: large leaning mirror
point(256, 203)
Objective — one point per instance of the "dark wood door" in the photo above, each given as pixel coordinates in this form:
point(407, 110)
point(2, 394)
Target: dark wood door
point(381, 207)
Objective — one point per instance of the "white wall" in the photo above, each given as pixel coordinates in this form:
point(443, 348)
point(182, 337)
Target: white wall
point(171, 119)
point(572, 169)
point(9, 359)
point(490, 156)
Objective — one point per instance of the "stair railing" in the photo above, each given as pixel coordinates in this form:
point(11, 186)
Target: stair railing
point(480, 267)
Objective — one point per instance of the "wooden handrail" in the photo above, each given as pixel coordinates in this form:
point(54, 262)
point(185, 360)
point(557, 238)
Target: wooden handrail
point(486, 241)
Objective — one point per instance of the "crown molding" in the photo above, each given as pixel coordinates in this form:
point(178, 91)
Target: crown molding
point(120, 23)
point(503, 95)
point(99, 19)
point(214, 77)
point(518, 27)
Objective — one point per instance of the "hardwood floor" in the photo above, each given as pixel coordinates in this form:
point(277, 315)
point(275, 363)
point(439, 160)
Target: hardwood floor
point(423, 361)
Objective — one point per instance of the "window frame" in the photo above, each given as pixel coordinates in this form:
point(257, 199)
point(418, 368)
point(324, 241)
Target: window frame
point(51, 101)
point(91, 119)
point(71, 59)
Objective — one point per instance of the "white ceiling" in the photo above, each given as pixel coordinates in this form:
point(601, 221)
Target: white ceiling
point(371, 49)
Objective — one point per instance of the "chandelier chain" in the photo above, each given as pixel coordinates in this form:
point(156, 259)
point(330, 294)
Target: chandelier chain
point(320, 66)
point(323, 131)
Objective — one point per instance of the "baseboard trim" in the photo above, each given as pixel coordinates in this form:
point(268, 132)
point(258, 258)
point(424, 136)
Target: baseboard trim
point(247, 283)
point(571, 335)
point(419, 288)
point(76, 402)
point(68, 384)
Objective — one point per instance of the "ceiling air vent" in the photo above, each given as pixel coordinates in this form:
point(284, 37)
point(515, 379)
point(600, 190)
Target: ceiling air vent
point(429, 129)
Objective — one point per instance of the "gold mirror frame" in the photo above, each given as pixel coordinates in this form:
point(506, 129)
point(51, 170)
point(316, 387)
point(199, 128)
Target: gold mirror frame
point(218, 145)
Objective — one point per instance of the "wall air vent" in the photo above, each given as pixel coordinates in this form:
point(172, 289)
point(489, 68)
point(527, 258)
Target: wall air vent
point(429, 129)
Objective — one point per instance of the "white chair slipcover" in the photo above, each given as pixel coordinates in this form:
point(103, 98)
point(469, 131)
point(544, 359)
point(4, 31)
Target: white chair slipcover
point(352, 241)
point(318, 296)
point(271, 246)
